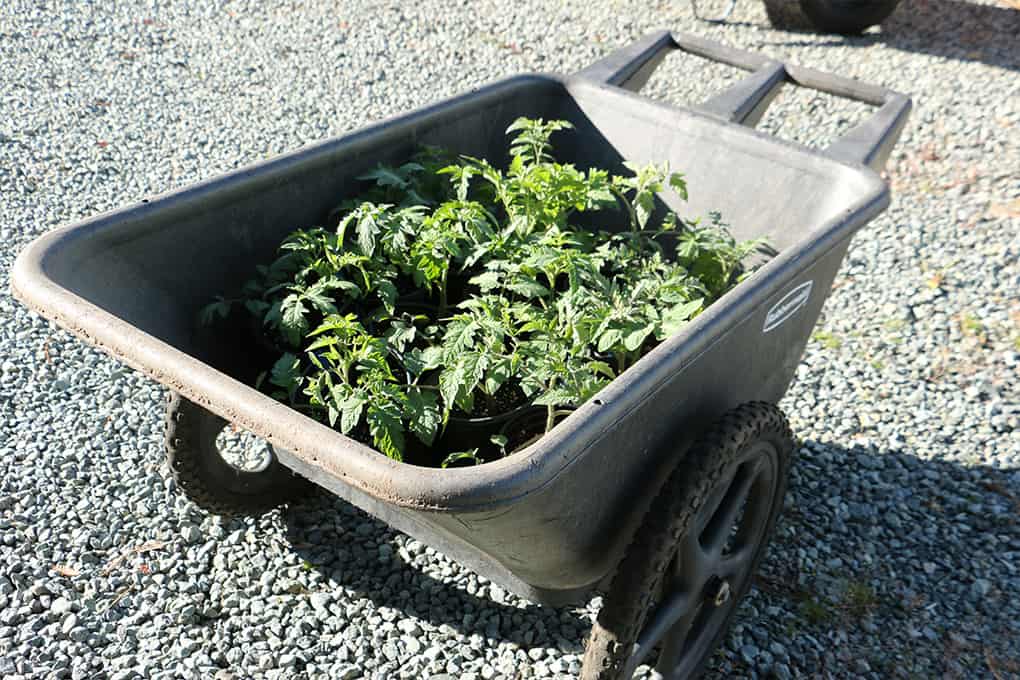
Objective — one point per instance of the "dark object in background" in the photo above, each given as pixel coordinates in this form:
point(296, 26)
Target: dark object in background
point(848, 17)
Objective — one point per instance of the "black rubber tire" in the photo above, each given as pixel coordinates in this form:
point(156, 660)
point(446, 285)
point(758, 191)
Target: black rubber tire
point(638, 579)
point(847, 17)
point(208, 480)
point(787, 15)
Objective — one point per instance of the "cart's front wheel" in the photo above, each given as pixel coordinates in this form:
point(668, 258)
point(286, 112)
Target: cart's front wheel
point(214, 483)
point(692, 559)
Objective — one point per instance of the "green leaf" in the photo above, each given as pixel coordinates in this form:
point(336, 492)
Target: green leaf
point(319, 299)
point(451, 384)
point(486, 281)
point(609, 339)
point(351, 404)
point(644, 205)
point(555, 397)
point(635, 338)
point(423, 414)
point(528, 289)
point(386, 427)
point(676, 180)
point(675, 317)
point(386, 290)
point(387, 176)
point(458, 456)
point(257, 307)
point(602, 368)
point(432, 357)
point(366, 230)
point(208, 314)
point(293, 313)
point(460, 334)
point(286, 373)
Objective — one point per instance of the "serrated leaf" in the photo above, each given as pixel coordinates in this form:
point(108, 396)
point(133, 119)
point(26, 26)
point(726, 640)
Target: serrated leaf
point(386, 176)
point(486, 281)
point(257, 307)
point(451, 384)
point(286, 373)
point(386, 427)
point(636, 337)
point(675, 317)
point(528, 289)
point(679, 185)
point(366, 231)
point(555, 397)
point(322, 341)
point(319, 298)
point(423, 414)
point(432, 357)
point(609, 339)
point(602, 368)
point(351, 405)
point(386, 290)
point(400, 334)
point(293, 313)
point(460, 334)
point(498, 372)
point(644, 205)
point(209, 313)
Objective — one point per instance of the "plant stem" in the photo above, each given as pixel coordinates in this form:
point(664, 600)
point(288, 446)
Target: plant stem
point(442, 291)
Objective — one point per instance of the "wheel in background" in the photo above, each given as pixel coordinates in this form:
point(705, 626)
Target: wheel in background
point(787, 15)
point(194, 437)
point(848, 17)
point(692, 559)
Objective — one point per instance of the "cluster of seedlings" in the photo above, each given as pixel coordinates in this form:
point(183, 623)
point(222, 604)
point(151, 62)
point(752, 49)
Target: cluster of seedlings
point(454, 311)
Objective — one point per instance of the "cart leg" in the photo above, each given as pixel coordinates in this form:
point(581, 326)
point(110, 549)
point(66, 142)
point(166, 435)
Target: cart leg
point(208, 479)
point(692, 559)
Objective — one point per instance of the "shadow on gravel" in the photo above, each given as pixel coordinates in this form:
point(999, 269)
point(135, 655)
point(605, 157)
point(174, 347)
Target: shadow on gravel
point(953, 29)
point(889, 562)
point(365, 555)
point(883, 565)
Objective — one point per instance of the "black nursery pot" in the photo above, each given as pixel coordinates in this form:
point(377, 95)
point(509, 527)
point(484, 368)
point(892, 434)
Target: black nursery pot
point(528, 426)
point(464, 434)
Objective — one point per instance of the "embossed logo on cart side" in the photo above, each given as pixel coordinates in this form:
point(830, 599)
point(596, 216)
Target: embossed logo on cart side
point(788, 306)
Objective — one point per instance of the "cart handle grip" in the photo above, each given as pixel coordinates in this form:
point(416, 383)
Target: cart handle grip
point(745, 102)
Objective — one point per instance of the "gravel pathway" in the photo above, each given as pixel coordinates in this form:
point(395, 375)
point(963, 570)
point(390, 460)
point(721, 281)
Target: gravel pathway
point(899, 551)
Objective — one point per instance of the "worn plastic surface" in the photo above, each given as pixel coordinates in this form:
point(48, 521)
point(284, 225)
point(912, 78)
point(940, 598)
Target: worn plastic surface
point(550, 522)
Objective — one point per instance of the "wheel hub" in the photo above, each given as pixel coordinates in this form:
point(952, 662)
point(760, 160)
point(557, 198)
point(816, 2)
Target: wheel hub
point(720, 592)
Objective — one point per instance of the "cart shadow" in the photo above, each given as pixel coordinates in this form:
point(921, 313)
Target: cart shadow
point(880, 550)
point(869, 542)
point(952, 29)
point(354, 551)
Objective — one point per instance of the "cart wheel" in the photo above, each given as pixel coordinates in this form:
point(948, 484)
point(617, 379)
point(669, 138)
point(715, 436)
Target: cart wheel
point(692, 559)
point(211, 481)
point(848, 17)
point(787, 14)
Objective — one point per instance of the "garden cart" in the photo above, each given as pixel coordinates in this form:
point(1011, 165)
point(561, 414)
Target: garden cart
point(662, 490)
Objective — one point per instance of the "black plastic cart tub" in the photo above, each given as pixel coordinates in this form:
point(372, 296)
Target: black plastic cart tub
point(552, 522)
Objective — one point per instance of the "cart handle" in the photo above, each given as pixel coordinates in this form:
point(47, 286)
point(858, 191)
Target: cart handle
point(745, 102)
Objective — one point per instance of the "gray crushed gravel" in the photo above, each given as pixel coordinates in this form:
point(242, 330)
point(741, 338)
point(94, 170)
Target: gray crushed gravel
point(899, 550)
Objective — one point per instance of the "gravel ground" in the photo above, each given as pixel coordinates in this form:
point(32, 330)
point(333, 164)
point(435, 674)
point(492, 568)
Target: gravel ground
point(898, 552)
